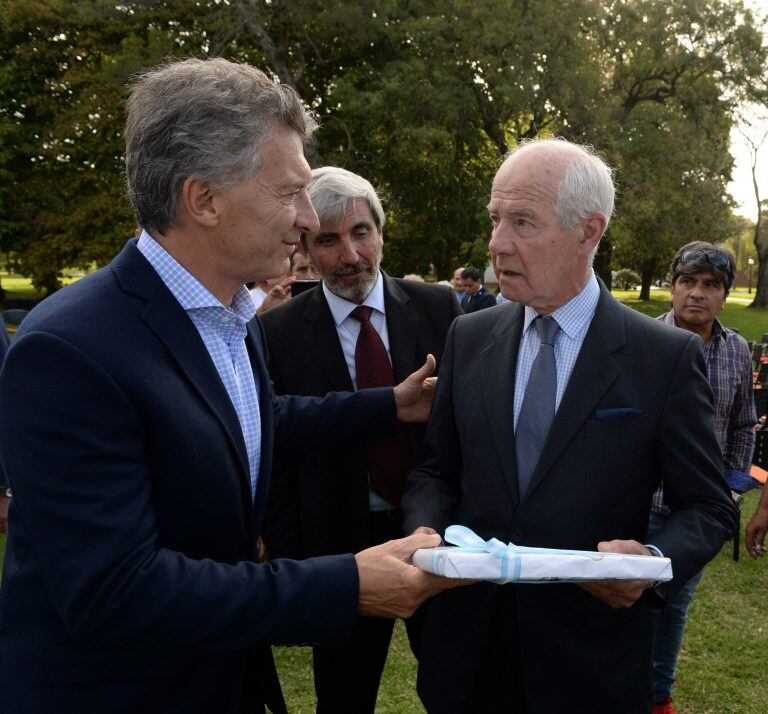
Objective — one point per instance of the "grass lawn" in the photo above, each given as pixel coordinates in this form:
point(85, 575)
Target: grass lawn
point(17, 286)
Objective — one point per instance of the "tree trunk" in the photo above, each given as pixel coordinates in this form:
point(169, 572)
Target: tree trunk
point(761, 289)
point(646, 277)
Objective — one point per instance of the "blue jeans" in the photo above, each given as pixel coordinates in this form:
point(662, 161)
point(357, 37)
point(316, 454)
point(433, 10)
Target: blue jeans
point(669, 627)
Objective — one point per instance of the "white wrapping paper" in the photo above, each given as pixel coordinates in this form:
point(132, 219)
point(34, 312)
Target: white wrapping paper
point(495, 561)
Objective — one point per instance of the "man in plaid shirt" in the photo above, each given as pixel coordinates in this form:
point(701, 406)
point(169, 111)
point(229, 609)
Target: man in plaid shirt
point(702, 276)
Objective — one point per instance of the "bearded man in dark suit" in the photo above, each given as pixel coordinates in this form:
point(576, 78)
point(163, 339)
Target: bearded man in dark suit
point(359, 328)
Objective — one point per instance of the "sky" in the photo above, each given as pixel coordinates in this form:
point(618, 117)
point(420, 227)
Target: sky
point(741, 186)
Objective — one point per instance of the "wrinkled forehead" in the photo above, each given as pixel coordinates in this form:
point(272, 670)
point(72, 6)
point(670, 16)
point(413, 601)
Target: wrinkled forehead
point(535, 173)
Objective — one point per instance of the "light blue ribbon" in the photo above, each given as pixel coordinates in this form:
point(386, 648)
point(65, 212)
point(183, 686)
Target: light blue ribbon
point(508, 553)
point(469, 542)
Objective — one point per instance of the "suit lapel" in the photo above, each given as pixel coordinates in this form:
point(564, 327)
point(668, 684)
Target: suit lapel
point(256, 350)
point(402, 329)
point(497, 364)
point(595, 371)
point(171, 325)
point(323, 342)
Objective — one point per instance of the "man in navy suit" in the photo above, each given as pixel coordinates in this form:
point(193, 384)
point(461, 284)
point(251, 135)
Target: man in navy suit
point(476, 295)
point(138, 426)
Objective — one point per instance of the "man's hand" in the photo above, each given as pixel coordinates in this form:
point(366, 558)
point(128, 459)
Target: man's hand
point(754, 536)
point(4, 503)
point(413, 396)
point(426, 530)
point(277, 294)
point(389, 585)
point(619, 593)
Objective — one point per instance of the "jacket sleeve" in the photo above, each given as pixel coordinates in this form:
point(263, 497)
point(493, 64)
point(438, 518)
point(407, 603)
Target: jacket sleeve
point(73, 447)
point(702, 514)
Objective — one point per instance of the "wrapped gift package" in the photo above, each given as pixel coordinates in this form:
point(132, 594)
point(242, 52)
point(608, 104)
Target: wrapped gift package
point(476, 559)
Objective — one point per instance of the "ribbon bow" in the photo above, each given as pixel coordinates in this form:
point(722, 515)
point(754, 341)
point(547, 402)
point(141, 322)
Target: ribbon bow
point(508, 553)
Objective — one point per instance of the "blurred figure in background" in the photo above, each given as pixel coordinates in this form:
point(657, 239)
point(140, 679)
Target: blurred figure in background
point(476, 295)
point(702, 276)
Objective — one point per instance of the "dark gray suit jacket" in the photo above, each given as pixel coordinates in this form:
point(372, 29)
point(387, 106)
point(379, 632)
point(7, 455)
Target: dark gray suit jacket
point(318, 500)
point(594, 482)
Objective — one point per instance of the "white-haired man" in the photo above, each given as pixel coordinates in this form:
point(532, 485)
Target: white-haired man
point(138, 426)
point(360, 328)
point(584, 406)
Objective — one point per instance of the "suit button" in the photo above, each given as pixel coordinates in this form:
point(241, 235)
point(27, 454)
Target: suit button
point(517, 536)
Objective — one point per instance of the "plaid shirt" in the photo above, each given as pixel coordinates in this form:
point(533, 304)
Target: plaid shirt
point(223, 332)
point(729, 371)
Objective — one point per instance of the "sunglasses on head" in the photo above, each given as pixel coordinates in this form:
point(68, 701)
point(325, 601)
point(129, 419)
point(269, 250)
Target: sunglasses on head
point(712, 257)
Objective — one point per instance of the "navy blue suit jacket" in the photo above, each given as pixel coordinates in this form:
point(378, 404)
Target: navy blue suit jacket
point(130, 580)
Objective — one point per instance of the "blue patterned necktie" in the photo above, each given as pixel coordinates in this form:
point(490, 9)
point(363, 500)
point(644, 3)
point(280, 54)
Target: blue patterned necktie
point(538, 409)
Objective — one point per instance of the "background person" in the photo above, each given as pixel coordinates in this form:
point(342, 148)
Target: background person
point(458, 286)
point(702, 276)
point(476, 295)
point(301, 267)
point(272, 292)
point(754, 535)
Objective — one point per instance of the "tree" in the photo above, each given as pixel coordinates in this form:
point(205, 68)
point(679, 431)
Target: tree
point(755, 137)
point(420, 96)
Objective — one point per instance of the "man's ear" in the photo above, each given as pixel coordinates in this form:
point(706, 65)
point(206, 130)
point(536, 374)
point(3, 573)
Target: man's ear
point(593, 228)
point(200, 203)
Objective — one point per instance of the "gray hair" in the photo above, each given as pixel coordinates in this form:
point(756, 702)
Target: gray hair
point(331, 189)
point(587, 183)
point(202, 119)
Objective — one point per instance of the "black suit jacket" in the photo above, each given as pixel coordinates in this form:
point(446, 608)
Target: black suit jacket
point(479, 301)
point(318, 501)
point(130, 580)
point(594, 482)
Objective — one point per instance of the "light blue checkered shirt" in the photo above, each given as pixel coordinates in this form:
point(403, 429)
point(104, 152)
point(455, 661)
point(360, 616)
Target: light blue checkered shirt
point(223, 331)
point(574, 319)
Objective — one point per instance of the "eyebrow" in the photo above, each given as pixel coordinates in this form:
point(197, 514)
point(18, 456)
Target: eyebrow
point(521, 212)
point(335, 234)
point(325, 234)
point(293, 185)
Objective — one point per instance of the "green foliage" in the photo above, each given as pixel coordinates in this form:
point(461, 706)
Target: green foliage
point(626, 279)
point(420, 96)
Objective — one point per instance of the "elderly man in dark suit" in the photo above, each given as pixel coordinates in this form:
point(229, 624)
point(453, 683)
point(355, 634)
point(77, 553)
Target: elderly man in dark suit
point(138, 425)
point(565, 413)
point(360, 328)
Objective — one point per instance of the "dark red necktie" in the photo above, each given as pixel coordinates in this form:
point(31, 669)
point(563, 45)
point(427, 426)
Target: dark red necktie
point(389, 460)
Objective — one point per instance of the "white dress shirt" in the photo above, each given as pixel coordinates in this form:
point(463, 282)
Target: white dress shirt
point(348, 328)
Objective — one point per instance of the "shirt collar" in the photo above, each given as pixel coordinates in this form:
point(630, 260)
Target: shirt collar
point(185, 287)
point(573, 317)
point(717, 327)
point(341, 308)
